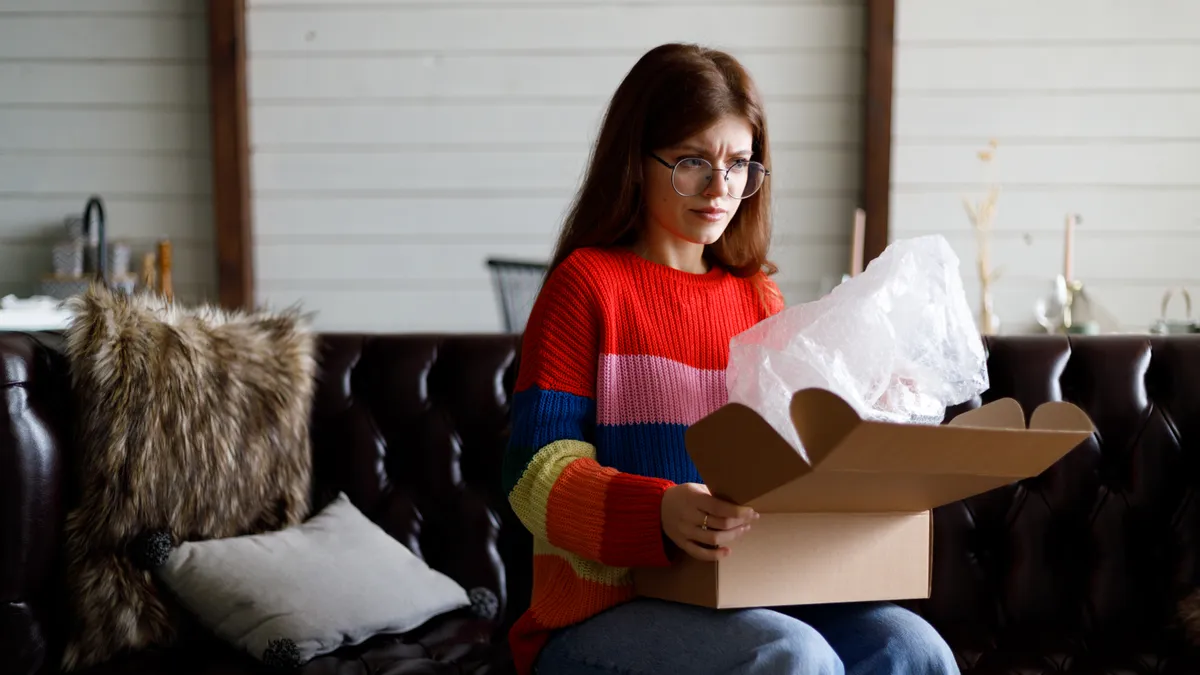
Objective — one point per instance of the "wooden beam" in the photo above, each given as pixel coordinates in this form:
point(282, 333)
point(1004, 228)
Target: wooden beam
point(230, 153)
point(231, 161)
point(877, 125)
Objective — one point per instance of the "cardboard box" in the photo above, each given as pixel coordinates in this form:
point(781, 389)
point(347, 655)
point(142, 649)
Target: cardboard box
point(856, 524)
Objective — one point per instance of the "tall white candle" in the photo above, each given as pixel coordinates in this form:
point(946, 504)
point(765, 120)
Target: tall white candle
point(856, 242)
point(1068, 244)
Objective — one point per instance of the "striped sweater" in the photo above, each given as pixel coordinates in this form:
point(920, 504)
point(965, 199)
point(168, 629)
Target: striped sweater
point(619, 356)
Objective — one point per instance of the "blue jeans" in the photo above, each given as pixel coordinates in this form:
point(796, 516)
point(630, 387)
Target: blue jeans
point(652, 637)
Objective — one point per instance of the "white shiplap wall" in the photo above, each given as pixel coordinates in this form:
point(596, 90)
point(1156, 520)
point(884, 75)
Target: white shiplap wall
point(105, 97)
point(397, 145)
point(1096, 108)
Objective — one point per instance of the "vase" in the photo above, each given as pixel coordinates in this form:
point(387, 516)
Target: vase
point(989, 323)
point(68, 258)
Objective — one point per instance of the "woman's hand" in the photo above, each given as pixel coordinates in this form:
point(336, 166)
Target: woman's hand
point(700, 524)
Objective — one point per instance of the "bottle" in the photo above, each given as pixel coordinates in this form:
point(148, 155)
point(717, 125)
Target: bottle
point(165, 286)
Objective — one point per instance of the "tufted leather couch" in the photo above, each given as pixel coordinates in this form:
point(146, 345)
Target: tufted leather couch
point(1075, 571)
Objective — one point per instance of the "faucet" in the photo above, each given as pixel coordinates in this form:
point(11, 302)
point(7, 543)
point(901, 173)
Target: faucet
point(96, 205)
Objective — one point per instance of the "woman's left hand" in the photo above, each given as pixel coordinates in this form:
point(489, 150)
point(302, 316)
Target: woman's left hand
point(700, 524)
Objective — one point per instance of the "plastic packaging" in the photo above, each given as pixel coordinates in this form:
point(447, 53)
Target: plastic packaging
point(898, 342)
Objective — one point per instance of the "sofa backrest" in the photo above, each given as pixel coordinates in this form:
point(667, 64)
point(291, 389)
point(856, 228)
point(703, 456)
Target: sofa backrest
point(1083, 564)
point(413, 429)
point(1080, 569)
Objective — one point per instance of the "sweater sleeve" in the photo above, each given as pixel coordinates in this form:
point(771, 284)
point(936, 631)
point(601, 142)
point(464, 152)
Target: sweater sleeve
point(553, 481)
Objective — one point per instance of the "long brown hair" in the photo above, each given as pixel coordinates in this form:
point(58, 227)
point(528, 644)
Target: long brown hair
point(672, 93)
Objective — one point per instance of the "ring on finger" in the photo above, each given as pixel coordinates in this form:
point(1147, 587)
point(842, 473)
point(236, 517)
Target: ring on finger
point(704, 525)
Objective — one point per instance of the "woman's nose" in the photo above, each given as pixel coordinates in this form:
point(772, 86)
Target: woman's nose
point(717, 187)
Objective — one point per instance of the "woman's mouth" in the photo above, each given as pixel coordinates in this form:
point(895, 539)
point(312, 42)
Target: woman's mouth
point(711, 214)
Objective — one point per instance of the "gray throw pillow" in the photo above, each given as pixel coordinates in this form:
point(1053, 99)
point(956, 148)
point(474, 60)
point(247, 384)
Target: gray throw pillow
point(290, 595)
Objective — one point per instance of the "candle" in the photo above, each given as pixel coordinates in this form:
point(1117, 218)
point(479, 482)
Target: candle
point(856, 242)
point(1068, 273)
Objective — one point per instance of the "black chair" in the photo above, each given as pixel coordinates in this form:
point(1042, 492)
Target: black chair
point(517, 284)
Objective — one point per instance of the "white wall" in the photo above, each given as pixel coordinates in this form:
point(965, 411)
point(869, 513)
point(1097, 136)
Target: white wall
point(104, 97)
point(1096, 107)
point(396, 145)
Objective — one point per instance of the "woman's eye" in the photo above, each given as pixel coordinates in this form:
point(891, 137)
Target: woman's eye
point(691, 163)
point(739, 164)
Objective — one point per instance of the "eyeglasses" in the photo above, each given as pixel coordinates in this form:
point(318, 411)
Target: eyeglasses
point(691, 175)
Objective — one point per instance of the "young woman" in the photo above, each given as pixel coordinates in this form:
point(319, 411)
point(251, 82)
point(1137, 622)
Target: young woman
point(663, 258)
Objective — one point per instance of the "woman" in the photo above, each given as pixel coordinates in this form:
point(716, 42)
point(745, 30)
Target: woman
point(661, 261)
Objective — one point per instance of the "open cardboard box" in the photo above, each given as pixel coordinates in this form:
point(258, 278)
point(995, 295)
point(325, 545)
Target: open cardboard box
point(856, 524)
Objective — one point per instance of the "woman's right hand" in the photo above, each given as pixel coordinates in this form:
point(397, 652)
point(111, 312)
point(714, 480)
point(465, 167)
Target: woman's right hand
point(700, 524)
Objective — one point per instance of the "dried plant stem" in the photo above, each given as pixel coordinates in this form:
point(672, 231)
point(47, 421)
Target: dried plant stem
point(982, 215)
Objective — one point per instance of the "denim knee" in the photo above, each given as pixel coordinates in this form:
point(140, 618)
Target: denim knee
point(935, 658)
point(790, 646)
point(924, 653)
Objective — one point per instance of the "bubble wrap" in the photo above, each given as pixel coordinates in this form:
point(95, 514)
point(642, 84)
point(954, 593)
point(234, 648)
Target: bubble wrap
point(898, 342)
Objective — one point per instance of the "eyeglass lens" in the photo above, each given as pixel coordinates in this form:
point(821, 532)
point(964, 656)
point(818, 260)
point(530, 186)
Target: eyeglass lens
point(692, 176)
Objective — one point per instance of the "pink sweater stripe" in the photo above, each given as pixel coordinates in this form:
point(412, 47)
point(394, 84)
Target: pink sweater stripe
point(631, 386)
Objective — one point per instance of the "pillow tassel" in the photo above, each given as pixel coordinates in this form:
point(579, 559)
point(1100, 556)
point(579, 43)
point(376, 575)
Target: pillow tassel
point(282, 654)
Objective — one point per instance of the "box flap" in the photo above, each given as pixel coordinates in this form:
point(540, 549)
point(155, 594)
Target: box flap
point(1057, 415)
point(822, 420)
point(887, 467)
point(1005, 413)
point(740, 456)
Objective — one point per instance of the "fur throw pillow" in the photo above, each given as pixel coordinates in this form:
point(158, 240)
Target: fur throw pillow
point(192, 424)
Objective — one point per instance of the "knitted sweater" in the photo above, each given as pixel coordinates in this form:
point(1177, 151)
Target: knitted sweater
point(619, 356)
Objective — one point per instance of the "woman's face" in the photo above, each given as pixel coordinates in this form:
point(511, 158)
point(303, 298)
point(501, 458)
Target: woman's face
point(702, 218)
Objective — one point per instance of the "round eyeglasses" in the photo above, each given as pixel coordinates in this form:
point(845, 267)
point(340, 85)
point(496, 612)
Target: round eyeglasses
point(691, 175)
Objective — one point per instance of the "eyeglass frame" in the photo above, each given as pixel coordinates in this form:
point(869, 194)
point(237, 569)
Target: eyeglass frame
point(660, 160)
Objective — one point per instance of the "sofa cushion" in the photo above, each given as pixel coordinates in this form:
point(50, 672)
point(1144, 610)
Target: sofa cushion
point(335, 580)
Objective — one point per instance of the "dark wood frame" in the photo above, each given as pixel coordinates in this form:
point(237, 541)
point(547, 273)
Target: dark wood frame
point(232, 208)
point(877, 125)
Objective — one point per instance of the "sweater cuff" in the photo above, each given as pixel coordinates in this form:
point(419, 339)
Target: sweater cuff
point(633, 535)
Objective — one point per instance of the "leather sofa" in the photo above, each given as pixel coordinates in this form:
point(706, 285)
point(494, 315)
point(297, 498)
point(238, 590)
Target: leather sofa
point(1075, 571)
